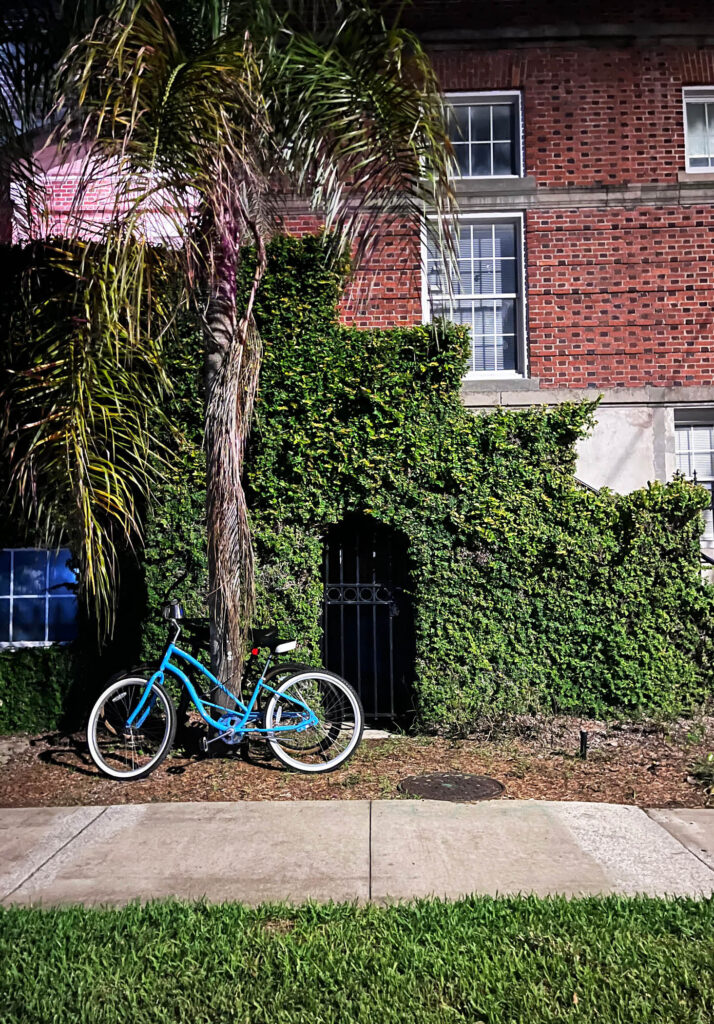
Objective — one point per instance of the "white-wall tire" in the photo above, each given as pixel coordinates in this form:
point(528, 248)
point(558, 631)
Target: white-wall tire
point(128, 761)
point(321, 748)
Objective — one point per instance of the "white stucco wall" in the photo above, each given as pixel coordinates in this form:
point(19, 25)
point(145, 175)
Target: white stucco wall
point(624, 451)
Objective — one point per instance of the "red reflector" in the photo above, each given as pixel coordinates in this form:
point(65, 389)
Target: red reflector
point(254, 651)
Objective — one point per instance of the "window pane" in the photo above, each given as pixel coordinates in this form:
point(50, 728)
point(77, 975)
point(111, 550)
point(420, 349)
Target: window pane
point(28, 619)
point(30, 572)
point(702, 438)
point(708, 524)
point(4, 572)
point(699, 161)
point(464, 282)
point(507, 353)
point(62, 618)
point(681, 439)
point(696, 128)
point(458, 121)
point(481, 160)
point(4, 620)
point(484, 283)
point(507, 310)
point(503, 158)
point(483, 357)
point(436, 278)
point(483, 242)
point(481, 123)
point(703, 464)
point(63, 580)
point(483, 318)
point(492, 322)
point(505, 276)
point(462, 314)
point(505, 239)
point(502, 122)
point(461, 151)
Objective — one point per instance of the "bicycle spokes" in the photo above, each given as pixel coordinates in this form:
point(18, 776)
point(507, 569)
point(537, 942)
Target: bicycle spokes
point(125, 747)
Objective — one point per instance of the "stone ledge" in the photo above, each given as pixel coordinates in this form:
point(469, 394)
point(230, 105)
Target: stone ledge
point(492, 384)
point(507, 395)
point(520, 196)
point(466, 188)
point(698, 33)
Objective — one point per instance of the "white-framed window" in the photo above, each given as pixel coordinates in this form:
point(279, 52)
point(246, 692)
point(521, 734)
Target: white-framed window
point(485, 292)
point(694, 447)
point(699, 128)
point(486, 132)
point(38, 602)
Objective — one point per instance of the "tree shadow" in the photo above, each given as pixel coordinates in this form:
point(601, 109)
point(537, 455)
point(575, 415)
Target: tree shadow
point(70, 752)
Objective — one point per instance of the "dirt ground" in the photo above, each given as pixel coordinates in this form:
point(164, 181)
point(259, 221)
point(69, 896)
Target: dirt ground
point(647, 764)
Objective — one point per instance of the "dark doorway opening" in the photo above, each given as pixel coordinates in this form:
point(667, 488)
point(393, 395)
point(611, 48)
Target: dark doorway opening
point(368, 621)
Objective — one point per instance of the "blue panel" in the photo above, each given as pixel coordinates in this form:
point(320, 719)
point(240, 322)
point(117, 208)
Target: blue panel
point(63, 580)
point(62, 618)
point(30, 572)
point(4, 620)
point(28, 619)
point(4, 572)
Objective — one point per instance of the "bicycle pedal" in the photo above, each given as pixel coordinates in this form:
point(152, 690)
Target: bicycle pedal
point(205, 743)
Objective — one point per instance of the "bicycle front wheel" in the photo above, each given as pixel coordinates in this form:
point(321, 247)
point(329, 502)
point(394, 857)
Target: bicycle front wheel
point(126, 747)
point(335, 731)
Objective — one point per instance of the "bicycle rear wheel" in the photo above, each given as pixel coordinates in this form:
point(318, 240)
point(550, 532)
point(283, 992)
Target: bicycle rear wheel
point(329, 741)
point(124, 751)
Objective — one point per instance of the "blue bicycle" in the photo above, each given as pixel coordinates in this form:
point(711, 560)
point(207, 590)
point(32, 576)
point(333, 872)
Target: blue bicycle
point(312, 720)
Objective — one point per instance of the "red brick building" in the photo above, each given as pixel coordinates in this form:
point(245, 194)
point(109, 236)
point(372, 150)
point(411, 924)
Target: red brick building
point(586, 227)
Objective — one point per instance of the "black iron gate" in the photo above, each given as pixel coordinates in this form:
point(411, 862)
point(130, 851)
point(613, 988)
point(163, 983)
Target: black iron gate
point(368, 632)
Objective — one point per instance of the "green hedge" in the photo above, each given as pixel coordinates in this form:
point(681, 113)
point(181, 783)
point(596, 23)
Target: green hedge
point(530, 593)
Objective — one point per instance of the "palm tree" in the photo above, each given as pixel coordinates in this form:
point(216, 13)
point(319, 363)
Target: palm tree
point(330, 103)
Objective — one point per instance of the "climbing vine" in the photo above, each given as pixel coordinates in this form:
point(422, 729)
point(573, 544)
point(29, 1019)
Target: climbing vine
point(530, 593)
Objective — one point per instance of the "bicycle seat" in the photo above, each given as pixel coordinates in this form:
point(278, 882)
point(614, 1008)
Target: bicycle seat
point(270, 638)
point(172, 610)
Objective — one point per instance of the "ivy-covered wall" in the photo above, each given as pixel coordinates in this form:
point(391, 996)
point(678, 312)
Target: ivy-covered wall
point(529, 592)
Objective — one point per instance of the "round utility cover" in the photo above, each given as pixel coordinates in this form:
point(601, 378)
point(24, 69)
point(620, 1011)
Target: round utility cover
point(451, 786)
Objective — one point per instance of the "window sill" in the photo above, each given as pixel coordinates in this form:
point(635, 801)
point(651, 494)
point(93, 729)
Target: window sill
point(494, 186)
point(695, 177)
point(21, 645)
point(500, 381)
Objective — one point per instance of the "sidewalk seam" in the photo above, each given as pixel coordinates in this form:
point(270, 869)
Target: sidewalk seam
point(369, 855)
point(52, 856)
point(677, 839)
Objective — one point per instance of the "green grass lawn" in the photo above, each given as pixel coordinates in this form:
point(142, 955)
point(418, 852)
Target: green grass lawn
point(604, 960)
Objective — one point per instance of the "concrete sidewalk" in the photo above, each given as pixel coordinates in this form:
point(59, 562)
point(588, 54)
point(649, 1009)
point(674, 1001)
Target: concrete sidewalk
point(349, 850)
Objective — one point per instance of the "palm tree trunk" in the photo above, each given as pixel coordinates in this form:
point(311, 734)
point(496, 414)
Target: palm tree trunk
point(232, 367)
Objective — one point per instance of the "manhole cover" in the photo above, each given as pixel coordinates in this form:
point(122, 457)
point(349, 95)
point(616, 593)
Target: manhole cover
point(456, 787)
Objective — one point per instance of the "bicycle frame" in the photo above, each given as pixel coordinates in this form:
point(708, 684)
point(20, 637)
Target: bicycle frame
point(245, 712)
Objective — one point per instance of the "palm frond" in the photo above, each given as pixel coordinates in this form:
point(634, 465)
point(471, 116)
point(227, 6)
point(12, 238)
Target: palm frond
point(80, 408)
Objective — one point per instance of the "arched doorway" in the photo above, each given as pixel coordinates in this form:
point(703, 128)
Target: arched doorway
point(368, 623)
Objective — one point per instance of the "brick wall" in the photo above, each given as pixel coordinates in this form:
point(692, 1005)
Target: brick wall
point(621, 297)
point(615, 297)
point(438, 15)
point(386, 290)
point(593, 116)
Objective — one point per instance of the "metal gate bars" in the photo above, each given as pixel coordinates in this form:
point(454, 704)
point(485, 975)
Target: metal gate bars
point(366, 620)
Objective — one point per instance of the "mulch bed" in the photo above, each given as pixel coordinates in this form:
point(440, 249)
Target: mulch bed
point(647, 765)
